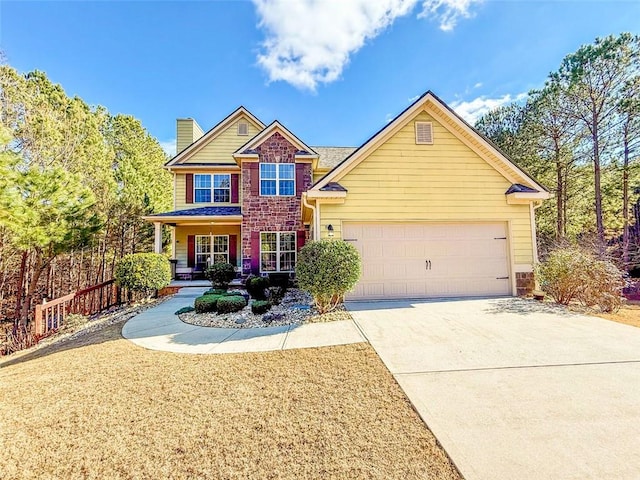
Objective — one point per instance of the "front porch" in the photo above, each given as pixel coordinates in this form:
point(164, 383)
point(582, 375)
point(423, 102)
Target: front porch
point(199, 237)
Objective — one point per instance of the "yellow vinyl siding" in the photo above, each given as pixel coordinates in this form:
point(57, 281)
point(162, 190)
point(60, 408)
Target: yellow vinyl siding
point(220, 149)
point(182, 232)
point(180, 200)
point(444, 182)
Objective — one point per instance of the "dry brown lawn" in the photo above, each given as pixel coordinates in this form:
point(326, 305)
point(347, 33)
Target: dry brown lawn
point(101, 407)
point(629, 314)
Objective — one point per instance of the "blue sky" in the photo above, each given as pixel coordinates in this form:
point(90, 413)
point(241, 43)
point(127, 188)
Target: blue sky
point(332, 71)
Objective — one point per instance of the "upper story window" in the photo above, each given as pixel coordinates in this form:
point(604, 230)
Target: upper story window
point(207, 187)
point(243, 128)
point(277, 179)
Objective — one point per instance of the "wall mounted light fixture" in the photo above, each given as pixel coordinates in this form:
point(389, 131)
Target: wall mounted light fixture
point(330, 230)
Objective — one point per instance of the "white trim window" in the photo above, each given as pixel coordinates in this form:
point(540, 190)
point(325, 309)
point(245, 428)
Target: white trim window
point(206, 255)
point(278, 179)
point(277, 251)
point(206, 188)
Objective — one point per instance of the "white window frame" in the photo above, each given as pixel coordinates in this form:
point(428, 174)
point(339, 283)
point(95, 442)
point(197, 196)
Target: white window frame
point(279, 251)
point(213, 188)
point(195, 187)
point(277, 179)
point(209, 256)
point(246, 129)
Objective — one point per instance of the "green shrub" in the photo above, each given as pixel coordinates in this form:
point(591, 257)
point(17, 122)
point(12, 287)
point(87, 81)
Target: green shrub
point(184, 310)
point(571, 273)
point(275, 294)
point(143, 272)
point(233, 303)
point(216, 291)
point(206, 303)
point(328, 269)
point(220, 274)
point(256, 287)
point(279, 280)
point(260, 306)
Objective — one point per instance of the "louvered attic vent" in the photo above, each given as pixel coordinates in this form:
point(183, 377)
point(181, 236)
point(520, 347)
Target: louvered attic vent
point(424, 133)
point(243, 128)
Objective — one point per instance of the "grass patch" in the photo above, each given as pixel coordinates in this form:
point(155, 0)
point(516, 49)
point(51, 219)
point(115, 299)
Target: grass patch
point(628, 314)
point(101, 407)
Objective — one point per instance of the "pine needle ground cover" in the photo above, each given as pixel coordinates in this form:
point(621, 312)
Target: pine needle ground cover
point(101, 407)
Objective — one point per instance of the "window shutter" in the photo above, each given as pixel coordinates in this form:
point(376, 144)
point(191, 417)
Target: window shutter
point(255, 253)
point(300, 179)
point(301, 238)
point(233, 250)
point(189, 187)
point(424, 133)
point(235, 195)
point(254, 175)
point(191, 251)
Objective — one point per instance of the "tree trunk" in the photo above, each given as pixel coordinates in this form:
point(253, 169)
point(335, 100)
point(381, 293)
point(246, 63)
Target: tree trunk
point(560, 227)
point(625, 203)
point(20, 286)
point(38, 268)
point(598, 188)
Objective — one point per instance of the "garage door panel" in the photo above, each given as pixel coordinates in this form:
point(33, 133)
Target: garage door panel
point(431, 260)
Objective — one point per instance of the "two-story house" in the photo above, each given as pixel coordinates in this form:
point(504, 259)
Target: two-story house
point(433, 207)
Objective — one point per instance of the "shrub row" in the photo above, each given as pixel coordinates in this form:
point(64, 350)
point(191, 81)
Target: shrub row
point(219, 303)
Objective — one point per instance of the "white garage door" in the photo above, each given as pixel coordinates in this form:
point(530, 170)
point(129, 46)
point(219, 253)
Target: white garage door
point(430, 260)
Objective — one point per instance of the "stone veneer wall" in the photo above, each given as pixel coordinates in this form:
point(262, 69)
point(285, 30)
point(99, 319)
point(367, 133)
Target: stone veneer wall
point(525, 283)
point(271, 213)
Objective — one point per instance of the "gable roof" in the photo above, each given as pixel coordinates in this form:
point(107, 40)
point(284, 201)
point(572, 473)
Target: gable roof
point(275, 126)
point(213, 133)
point(481, 145)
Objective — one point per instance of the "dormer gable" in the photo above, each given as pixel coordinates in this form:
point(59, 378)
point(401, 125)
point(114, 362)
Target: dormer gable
point(216, 146)
point(249, 151)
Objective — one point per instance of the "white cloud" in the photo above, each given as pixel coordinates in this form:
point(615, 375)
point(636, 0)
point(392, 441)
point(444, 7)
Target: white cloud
point(169, 147)
point(474, 109)
point(309, 42)
point(413, 99)
point(477, 85)
point(447, 12)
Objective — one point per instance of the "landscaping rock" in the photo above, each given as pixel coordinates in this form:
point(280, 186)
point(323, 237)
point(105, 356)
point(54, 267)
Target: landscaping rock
point(295, 309)
point(271, 317)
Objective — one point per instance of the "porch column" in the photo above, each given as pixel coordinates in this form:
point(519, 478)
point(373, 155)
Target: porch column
point(173, 241)
point(158, 237)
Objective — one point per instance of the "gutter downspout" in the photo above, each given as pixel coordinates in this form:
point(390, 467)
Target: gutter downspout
point(316, 220)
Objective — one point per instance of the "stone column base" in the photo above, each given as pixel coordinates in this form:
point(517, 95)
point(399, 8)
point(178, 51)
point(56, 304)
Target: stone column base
point(525, 283)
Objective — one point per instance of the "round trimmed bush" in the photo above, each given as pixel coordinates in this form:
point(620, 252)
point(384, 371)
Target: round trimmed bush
point(220, 274)
point(206, 303)
point(230, 304)
point(256, 286)
point(328, 269)
point(143, 272)
point(259, 307)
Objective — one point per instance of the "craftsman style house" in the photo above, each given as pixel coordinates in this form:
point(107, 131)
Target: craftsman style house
point(432, 206)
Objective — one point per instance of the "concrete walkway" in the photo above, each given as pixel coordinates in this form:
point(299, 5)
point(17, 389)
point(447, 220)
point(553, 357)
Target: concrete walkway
point(515, 389)
point(158, 328)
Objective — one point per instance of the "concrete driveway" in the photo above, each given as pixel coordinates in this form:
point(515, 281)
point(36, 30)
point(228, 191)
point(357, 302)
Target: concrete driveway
point(514, 389)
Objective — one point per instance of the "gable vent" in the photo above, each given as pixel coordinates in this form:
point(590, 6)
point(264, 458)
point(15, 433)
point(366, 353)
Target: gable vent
point(243, 128)
point(424, 133)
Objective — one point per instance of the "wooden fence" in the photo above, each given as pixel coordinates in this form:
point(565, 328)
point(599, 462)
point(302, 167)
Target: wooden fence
point(51, 315)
